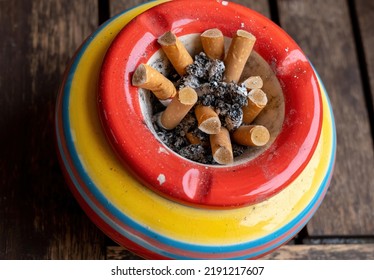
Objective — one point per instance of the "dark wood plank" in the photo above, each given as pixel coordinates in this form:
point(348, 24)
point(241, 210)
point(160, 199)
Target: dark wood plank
point(259, 6)
point(323, 252)
point(323, 30)
point(120, 253)
point(116, 6)
point(39, 218)
point(287, 252)
point(365, 16)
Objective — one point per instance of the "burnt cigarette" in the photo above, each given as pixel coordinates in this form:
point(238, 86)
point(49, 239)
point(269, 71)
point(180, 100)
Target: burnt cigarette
point(176, 52)
point(221, 147)
point(192, 138)
point(213, 43)
point(149, 78)
point(251, 135)
point(240, 48)
point(257, 100)
point(178, 108)
point(207, 119)
point(253, 82)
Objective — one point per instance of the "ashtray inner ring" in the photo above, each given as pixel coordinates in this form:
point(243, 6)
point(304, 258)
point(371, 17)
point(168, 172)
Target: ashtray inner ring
point(272, 116)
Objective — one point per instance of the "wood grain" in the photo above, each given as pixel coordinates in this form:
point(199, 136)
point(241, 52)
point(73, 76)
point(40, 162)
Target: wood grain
point(324, 32)
point(323, 252)
point(259, 6)
point(120, 253)
point(39, 218)
point(116, 6)
point(365, 10)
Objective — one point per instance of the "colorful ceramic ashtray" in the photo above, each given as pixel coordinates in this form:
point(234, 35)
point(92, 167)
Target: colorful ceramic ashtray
point(160, 205)
point(295, 125)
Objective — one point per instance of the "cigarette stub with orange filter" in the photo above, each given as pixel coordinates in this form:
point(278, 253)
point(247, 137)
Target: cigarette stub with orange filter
point(176, 52)
point(221, 147)
point(251, 135)
point(149, 78)
point(240, 48)
point(213, 43)
point(253, 82)
point(257, 100)
point(178, 108)
point(207, 119)
point(192, 138)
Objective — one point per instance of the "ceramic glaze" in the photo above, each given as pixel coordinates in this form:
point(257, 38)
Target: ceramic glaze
point(185, 181)
point(154, 226)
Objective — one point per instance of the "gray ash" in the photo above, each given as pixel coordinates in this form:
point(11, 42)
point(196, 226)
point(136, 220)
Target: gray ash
point(227, 99)
point(206, 69)
point(205, 76)
point(176, 138)
point(197, 153)
point(233, 119)
point(201, 71)
point(203, 137)
point(189, 81)
point(237, 149)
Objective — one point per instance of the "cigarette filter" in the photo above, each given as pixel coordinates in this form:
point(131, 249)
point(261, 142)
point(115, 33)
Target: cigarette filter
point(251, 135)
point(221, 147)
point(178, 108)
point(253, 82)
point(240, 48)
point(149, 78)
point(176, 52)
point(192, 138)
point(213, 43)
point(257, 100)
point(207, 119)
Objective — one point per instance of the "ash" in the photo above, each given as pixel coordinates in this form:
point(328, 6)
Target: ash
point(197, 153)
point(202, 70)
point(206, 69)
point(227, 99)
point(205, 76)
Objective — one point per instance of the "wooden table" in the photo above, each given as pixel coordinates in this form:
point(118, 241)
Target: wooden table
point(39, 217)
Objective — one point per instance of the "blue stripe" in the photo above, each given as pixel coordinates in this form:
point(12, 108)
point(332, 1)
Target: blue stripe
point(146, 231)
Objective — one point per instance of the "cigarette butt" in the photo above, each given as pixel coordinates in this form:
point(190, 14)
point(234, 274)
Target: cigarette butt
point(251, 135)
point(149, 78)
point(213, 43)
point(240, 48)
point(221, 147)
point(207, 119)
point(253, 82)
point(178, 108)
point(187, 96)
point(257, 100)
point(176, 52)
point(192, 138)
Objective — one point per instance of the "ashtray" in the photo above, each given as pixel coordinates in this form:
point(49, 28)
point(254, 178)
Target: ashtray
point(160, 205)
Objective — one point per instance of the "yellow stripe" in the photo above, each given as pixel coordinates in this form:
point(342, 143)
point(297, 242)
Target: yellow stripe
point(171, 219)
